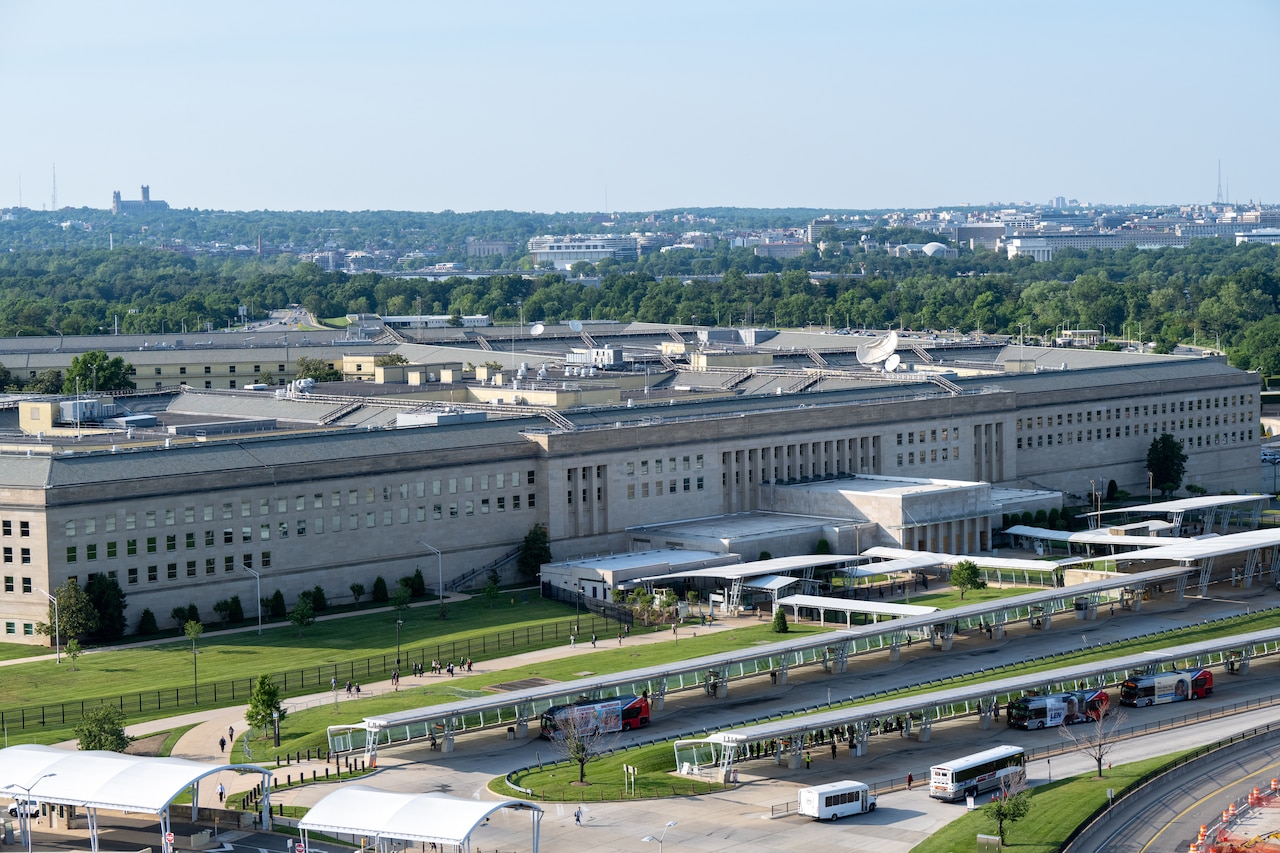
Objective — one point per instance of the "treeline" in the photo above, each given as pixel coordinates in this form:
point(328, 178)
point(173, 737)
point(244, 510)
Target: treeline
point(1211, 292)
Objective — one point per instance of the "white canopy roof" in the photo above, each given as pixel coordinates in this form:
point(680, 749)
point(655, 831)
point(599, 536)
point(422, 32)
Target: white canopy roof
point(927, 559)
point(106, 780)
point(852, 605)
point(1089, 537)
point(439, 818)
point(754, 569)
point(1184, 504)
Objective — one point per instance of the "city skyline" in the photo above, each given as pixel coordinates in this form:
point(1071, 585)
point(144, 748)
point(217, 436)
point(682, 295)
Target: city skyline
point(571, 107)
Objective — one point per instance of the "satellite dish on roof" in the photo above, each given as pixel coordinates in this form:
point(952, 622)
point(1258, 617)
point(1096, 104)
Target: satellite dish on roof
point(576, 325)
point(537, 329)
point(874, 352)
point(891, 363)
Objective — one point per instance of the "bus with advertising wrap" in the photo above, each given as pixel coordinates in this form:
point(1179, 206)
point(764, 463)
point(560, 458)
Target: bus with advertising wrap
point(620, 714)
point(1057, 709)
point(1161, 687)
point(976, 773)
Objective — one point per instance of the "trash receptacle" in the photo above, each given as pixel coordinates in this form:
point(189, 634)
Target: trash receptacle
point(511, 732)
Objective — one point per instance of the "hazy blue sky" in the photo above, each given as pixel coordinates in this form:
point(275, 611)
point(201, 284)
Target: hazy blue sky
point(552, 105)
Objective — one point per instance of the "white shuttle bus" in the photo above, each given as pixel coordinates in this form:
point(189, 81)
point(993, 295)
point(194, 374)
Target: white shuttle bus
point(835, 800)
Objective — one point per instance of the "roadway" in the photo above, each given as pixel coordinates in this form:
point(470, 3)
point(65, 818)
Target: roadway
point(734, 818)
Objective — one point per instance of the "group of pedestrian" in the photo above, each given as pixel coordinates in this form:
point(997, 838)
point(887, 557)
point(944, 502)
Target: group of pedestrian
point(350, 688)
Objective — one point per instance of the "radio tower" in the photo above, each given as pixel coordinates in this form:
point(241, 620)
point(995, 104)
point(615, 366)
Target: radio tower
point(1219, 182)
point(54, 200)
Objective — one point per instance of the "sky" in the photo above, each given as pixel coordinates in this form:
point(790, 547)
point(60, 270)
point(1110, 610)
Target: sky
point(605, 106)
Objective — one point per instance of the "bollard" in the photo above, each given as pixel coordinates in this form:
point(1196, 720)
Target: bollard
point(313, 774)
point(308, 753)
point(297, 756)
point(277, 761)
point(288, 780)
point(326, 772)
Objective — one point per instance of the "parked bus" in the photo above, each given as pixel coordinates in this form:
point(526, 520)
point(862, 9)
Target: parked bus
point(1164, 687)
point(835, 800)
point(973, 774)
point(1058, 709)
point(620, 714)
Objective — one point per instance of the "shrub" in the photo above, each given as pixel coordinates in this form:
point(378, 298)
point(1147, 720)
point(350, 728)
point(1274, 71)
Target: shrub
point(1041, 517)
point(1027, 517)
point(417, 584)
point(276, 606)
point(380, 593)
point(779, 621)
point(147, 622)
point(318, 601)
point(765, 555)
point(357, 591)
point(1054, 515)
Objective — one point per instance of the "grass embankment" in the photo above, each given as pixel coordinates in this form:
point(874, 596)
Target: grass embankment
point(1057, 808)
point(13, 651)
point(306, 729)
point(168, 665)
point(657, 761)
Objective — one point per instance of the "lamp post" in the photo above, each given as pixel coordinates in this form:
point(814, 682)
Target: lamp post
point(275, 725)
point(661, 837)
point(258, 579)
point(399, 625)
point(439, 572)
point(57, 625)
point(24, 820)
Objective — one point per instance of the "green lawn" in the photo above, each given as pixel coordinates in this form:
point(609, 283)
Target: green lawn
point(1056, 810)
point(13, 651)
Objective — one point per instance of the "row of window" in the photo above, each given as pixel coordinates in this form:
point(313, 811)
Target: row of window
point(208, 369)
point(1144, 411)
point(265, 506)
point(6, 528)
point(933, 455)
point(947, 434)
point(1081, 436)
point(670, 487)
point(689, 463)
point(298, 527)
point(172, 571)
point(27, 588)
point(28, 629)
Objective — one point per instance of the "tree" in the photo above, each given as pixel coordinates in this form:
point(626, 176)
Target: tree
point(302, 616)
point(109, 603)
point(1096, 738)
point(73, 617)
point(389, 360)
point(779, 621)
point(276, 607)
point(966, 576)
point(380, 593)
point(580, 740)
point(535, 551)
point(319, 603)
point(400, 600)
point(823, 547)
point(1166, 462)
point(417, 584)
point(95, 371)
point(147, 622)
point(264, 704)
point(73, 652)
point(1011, 803)
point(317, 369)
point(193, 630)
point(47, 382)
point(357, 591)
point(491, 593)
point(102, 728)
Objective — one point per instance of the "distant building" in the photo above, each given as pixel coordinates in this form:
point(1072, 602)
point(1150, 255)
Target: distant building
point(119, 206)
point(478, 248)
point(1270, 236)
point(566, 251)
point(782, 250)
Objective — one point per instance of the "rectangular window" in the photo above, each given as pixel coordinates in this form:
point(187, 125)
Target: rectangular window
point(191, 568)
point(171, 543)
point(228, 563)
point(26, 586)
point(152, 546)
point(71, 553)
point(531, 498)
point(8, 555)
point(437, 512)
point(153, 574)
point(515, 503)
point(8, 583)
point(91, 552)
point(171, 571)
point(24, 555)
point(210, 565)
point(484, 506)
point(24, 528)
point(266, 559)
point(502, 504)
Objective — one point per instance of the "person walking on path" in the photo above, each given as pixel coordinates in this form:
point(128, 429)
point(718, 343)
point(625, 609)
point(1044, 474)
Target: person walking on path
point(231, 734)
point(222, 744)
point(348, 688)
point(910, 780)
point(593, 641)
point(833, 747)
point(619, 638)
point(577, 816)
point(222, 792)
point(573, 641)
point(808, 760)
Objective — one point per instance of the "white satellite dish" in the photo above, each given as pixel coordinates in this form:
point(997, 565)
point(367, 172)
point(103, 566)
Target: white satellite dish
point(537, 329)
point(891, 363)
point(874, 352)
point(576, 325)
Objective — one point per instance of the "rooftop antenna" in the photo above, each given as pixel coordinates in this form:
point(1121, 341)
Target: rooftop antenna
point(1219, 181)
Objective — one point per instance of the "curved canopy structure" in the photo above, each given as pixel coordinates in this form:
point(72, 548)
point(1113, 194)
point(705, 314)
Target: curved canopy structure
point(359, 810)
point(108, 780)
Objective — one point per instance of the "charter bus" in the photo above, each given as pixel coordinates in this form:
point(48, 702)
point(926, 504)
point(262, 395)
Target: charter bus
point(1164, 687)
point(1058, 709)
point(973, 774)
point(620, 714)
point(835, 800)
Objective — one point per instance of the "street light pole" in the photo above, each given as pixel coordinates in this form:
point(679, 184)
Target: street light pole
point(439, 572)
point(57, 626)
point(399, 625)
point(258, 579)
point(661, 837)
point(275, 725)
point(24, 820)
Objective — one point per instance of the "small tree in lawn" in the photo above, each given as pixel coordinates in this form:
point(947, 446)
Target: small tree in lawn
point(580, 739)
point(357, 592)
point(966, 576)
point(302, 616)
point(74, 651)
point(1096, 738)
point(779, 621)
point(1011, 803)
point(264, 703)
point(102, 728)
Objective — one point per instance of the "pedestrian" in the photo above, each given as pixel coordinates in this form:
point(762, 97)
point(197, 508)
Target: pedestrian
point(357, 691)
point(469, 664)
point(910, 781)
point(450, 669)
point(231, 733)
point(619, 638)
point(222, 792)
point(808, 760)
point(626, 630)
point(222, 744)
point(573, 641)
point(348, 688)
point(675, 631)
point(333, 683)
point(593, 641)
point(577, 816)
point(833, 748)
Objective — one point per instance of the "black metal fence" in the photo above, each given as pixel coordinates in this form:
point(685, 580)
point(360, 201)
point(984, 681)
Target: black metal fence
point(298, 681)
point(613, 612)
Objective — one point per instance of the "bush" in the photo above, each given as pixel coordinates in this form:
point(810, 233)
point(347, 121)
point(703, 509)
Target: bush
point(417, 584)
point(1054, 515)
point(357, 592)
point(1027, 517)
point(1041, 517)
point(276, 606)
point(318, 601)
point(779, 621)
point(765, 555)
point(237, 610)
point(147, 623)
point(193, 614)
point(380, 593)
point(823, 547)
